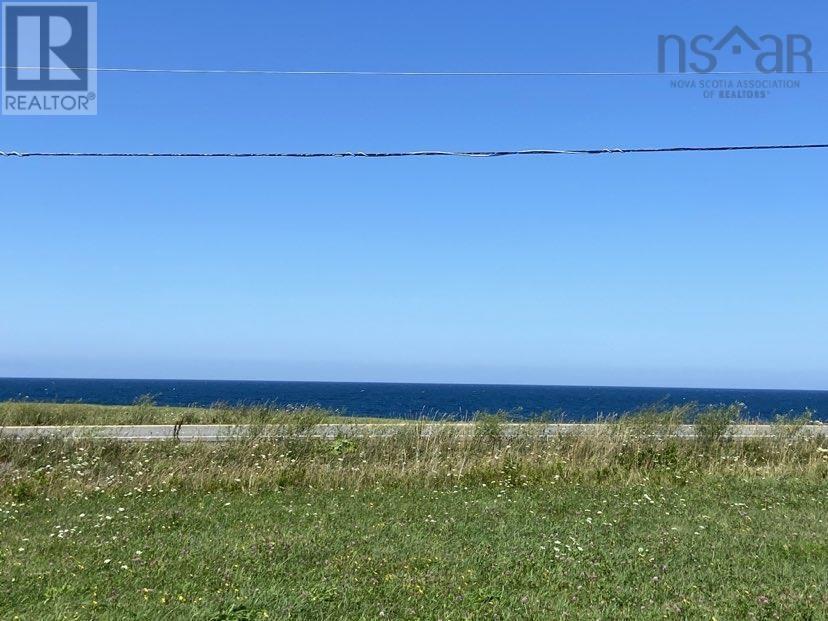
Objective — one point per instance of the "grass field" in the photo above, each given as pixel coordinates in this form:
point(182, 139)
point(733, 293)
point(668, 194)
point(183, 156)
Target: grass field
point(629, 523)
point(146, 412)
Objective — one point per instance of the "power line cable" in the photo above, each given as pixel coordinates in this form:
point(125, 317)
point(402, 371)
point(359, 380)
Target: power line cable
point(399, 154)
point(281, 72)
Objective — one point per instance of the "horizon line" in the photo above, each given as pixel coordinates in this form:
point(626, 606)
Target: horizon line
point(410, 383)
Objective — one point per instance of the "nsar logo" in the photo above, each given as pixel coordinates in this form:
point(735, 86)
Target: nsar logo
point(770, 53)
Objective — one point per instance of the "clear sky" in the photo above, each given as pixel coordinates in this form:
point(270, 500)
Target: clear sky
point(678, 270)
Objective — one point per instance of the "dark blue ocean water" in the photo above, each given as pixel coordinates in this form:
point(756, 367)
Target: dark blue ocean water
point(458, 400)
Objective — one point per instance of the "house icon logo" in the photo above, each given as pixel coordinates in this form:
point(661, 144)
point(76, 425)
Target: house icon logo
point(704, 53)
point(735, 39)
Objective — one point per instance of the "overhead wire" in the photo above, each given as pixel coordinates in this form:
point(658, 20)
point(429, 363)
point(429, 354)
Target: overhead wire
point(400, 154)
point(369, 73)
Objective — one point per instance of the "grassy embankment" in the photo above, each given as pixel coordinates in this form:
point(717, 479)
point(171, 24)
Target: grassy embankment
point(146, 412)
point(626, 523)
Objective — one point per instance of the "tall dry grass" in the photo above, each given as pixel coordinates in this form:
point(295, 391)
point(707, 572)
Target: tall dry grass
point(632, 448)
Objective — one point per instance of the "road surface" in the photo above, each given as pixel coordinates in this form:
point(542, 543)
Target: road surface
point(223, 433)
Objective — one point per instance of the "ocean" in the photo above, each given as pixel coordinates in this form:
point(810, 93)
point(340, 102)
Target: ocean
point(461, 401)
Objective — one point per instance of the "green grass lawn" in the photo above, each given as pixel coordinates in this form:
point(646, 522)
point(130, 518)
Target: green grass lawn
point(725, 548)
point(628, 523)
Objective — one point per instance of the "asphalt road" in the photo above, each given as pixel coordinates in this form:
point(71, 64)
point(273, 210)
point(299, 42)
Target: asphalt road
point(223, 433)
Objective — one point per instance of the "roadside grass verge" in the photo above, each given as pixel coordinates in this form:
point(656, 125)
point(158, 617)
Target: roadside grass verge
point(146, 412)
point(710, 421)
point(419, 454)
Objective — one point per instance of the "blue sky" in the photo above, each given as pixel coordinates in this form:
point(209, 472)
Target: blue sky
point(677, 270)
